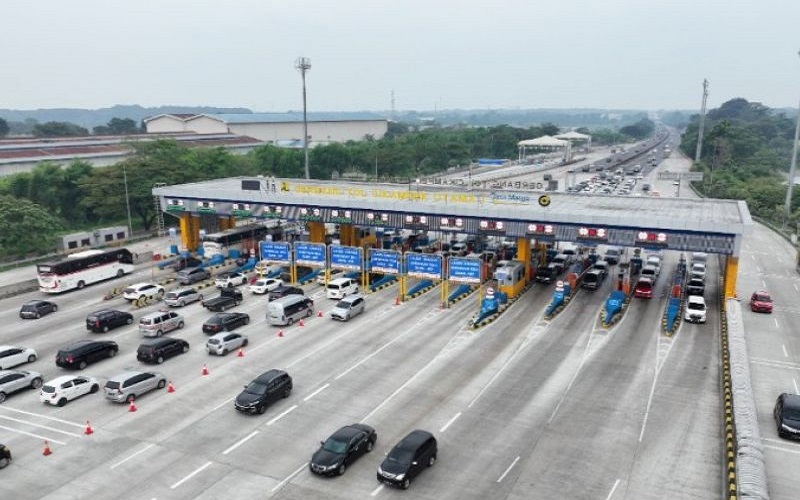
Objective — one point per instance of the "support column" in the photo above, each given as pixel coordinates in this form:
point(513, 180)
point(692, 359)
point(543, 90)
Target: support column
point(347, 234)
point(190, 229)
point(194, 223)
point(731, 270)
point(226, 223)
point(316, 232)
point(524, 255)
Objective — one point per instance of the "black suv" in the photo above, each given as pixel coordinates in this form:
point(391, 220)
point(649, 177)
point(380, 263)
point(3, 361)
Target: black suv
point(593, 279)
point(106, 319)
point(36, 309)
point(85, 352)
point(157, 350)
point(225, 322)
point(263, 391)
point(787, 415)
point(408, 458)
point(343, 448)
point(284, 290)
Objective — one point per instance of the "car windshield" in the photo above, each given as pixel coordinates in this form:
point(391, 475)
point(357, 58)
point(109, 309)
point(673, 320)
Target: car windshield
point(256, 388)
point(216, 320)
point(343, 304)
point(791, 413)
point(402, 457)
point(29, 307)
point(213, 341)
point(762, 297)
point(172, 295)
point(696, 306)
point(334, 446)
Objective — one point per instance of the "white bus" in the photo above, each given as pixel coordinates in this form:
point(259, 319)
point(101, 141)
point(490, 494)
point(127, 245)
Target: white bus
point(83, 268)
point(242, 239)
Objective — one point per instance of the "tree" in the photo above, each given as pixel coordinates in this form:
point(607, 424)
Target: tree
point(3, 128)
point(27, 227)
point(117, 126)
point(58, 129)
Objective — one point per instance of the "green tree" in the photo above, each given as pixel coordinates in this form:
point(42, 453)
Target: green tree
point(58, 129)
point(117, 126)
point(27, 227)
point(3, 128)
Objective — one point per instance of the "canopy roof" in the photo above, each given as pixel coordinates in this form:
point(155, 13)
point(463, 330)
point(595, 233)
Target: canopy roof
point(545, 140)
point(576, 136)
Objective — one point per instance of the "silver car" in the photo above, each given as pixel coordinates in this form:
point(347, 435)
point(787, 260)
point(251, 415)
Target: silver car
point(351, 305)
point(225, 342)
point(128, 386)
point(182, 296)
point(13, 381)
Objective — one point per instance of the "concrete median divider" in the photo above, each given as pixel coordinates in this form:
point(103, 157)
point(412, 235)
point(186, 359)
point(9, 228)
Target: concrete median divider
point(14, 289)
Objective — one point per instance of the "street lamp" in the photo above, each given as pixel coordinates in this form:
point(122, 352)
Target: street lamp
point(127, 200)
point(303, 64)
point(793, 165)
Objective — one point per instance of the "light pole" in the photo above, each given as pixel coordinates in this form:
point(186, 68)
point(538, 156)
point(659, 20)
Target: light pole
point(303, 64)
point(793, 165)
point(127, 200)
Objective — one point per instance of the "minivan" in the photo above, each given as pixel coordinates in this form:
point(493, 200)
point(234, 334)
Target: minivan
point(267, 388)
point(408, 458)
point(106, 319)
point(593, 279)
point(85, 352)
point(341, 287)
point(192, 275)
point(157, 323)
point(129, 385)
point(157, 350)
point(287, 310)
point(348, 307)
point(182, 296)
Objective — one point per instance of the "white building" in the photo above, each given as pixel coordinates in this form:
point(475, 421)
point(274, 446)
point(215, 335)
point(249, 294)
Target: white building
point(274, 128)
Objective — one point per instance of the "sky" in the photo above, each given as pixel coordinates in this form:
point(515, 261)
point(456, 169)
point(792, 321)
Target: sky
point(433, 54)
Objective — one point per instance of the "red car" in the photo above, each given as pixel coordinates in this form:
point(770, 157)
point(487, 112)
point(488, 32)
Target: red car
point(761, 302)
point(644, 289)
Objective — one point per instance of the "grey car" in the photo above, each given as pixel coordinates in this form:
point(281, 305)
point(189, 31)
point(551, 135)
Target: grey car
point(225, 342)
point(15, 380)
point(351, 305)
point(192, 275)
point(182, 296)
point(129, 385)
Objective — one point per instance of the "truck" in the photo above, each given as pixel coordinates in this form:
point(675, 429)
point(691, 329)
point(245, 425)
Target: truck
point(227, 298)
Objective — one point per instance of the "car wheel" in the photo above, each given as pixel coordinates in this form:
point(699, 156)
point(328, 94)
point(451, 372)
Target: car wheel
point(2, 396)
point(247, 321)
point(3, 463)
point(36, 383)
point(161, 383)
point(82, 365)
point(180, 325)
point(37, 316)
point(261, 409)
point(290, 321)
point(405, 484)
point(224, 352)
point(81, 284)
point(309, 312)
point(244, 342)
point(61, 402)
point(431, 460)
point(181, 304)
point(287, 392)
point(230, 285)
point(31, 358)
point(55, 308)
point(185, 349)
point(159, 333)
point(341, 469)
point(129, 321)
point(120, 273)
point(160, 294)
point(105, 328)
point(131, 398)
point(94, 388)
point(370, 445)
point(159, 360)
point(200, 297)
point(112, 353)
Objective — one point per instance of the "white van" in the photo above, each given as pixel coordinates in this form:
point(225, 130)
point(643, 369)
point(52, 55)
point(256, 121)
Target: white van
point(286, 310)
point(342, 287)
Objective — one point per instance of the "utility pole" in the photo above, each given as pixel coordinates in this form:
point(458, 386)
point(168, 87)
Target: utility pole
point(793, 165)
point(393, 108)
point(303, 64)
point(702, 122)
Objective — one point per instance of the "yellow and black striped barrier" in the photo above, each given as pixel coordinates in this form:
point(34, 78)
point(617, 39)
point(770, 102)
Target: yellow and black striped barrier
point(462, 296)
point(420, 292)
point(732, 487)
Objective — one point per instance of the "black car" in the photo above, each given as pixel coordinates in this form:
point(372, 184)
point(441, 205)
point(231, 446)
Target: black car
point(787, 415)
point(696, 286)
point(343, 448)
point(106, 319)
point(593, 279)
point(284, 290)
point(263, 391)
point(184, 262)
point(5, 456)
point(225, 322)
point(35, 309)
point(408, 458)
point(85, 352)
point(157, 350)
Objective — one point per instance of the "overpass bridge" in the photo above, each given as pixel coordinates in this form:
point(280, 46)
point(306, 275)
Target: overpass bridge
point(499, 208)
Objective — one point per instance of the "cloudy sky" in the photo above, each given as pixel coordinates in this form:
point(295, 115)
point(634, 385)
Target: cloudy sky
point(644, 54)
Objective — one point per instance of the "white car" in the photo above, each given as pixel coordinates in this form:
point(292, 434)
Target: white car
point(139, 290)
point(12, 356)
point(230, 279)
point(695, 309)
point(698, 270)
point(225, 342)
point(264, 285)
point(62, 389)
point(335, 273)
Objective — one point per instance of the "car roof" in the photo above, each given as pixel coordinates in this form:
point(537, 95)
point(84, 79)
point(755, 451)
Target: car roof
point(697, 298)
point(761, 292)
point(139, 285)
point(128, 374)
point(791, 400)
point(414, 439)
point(348, 431)
point(352, 297)
point(268, 375)
point(65, 378)
point(222, 335)
point(645, 279)
point(2, 347)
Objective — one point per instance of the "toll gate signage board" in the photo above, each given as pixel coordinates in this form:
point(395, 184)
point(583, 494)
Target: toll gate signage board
point(464, 270)
point(276, 252)
point(384, 261)
point(424, 265)
point(344, 257)
point(309, 254)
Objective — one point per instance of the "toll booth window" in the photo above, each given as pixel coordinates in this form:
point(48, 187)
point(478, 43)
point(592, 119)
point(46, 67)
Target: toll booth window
point(109, 237)
point(72, 244)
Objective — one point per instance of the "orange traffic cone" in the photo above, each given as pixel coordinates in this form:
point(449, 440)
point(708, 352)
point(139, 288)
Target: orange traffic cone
point(132, 407)
point(205, 370)
point(46, 451)
point(397, 301)
point(280, 333)
point(240, 354)
point(170, 387)
point(301, 323)
point(319, 314)
point(89, 429)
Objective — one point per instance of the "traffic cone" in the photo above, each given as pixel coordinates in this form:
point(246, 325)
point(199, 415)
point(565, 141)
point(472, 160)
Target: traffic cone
point(301, 323)
point(170, 387)
point(132, 407)
point(46, 451)
point(319, 314)
point(397, 301)
point(205, 370)
point(89, 429)
point(240, 354)
point(280, 333)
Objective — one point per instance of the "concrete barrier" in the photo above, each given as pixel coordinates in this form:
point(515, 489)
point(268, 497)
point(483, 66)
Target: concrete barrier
point(18, 288)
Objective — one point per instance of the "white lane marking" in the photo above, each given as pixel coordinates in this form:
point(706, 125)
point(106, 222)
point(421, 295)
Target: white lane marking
point(290, 476)
point(397, 391)
point(776, 322)
point(377, 351)
point(796, 391)
point(286, 412)
point(376, 490)
point(305, 399)
point(322, 346)
point(785, 352)
point(54, 419)
point(613, 489)
point(795, 287)
point(787, 450)
point(499, 479)
point(227, 401)
point(775, 363)
point(53, 429)
point(32, 435)
point(132, 456)
point(239, 443)
point(449, 422)
point(196, 472)
point(752, 256)
point(494, 377)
